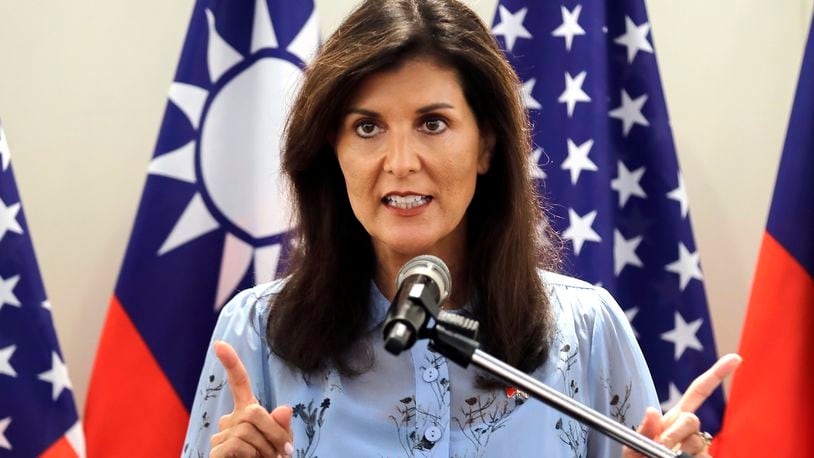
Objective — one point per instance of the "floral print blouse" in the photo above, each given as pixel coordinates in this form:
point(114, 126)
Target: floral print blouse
point(420, 405)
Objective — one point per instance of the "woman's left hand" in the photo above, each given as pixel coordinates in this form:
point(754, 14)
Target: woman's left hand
point(680, 428)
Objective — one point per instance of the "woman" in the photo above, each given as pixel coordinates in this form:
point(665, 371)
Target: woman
point(409, 137)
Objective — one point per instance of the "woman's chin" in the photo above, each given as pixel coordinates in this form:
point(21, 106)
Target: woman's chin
point(409, 246)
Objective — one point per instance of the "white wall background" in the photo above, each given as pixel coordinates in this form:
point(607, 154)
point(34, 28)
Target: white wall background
point(83, 87)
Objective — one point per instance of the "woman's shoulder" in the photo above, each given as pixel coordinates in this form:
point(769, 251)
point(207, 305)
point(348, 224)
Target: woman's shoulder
point(580, 299)
point(265, 291)
point(588, 316)
point(570, 289)
point(262, 292)
point(560, 281)
point(250, 307)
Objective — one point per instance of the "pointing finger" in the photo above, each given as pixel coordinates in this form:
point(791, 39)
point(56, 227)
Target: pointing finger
point(703, 386)
point(239, 382)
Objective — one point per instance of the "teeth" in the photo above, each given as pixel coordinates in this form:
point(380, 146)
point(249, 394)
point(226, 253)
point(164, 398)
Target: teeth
point(405, 202)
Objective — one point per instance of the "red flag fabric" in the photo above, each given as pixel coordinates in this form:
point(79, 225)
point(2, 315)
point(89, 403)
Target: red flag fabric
point(768, 410)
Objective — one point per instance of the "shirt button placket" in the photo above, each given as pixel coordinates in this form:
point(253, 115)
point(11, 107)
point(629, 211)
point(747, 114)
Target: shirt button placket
point(432, 399)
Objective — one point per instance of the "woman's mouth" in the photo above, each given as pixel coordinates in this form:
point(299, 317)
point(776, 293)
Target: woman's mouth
point(406, 202)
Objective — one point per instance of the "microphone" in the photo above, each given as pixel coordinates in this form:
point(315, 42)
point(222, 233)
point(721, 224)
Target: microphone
point(422, 285)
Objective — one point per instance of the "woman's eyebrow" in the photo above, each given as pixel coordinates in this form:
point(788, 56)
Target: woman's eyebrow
point(364, 112)
point(421, 110)
point(434, 106)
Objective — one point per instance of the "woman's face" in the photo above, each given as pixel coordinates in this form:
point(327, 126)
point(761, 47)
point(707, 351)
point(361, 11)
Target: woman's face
point(410, 151)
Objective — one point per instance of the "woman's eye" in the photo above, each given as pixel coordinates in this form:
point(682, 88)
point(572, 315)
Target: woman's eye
point(367, 129)
point(434, 126)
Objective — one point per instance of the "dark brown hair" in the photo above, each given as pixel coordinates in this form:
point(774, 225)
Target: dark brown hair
point(323, 309)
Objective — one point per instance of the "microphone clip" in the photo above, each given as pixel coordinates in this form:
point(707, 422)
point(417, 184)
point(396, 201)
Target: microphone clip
point(455, 337)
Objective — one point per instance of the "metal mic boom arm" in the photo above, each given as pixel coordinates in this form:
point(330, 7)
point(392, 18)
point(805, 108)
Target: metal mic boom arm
point(447, 338)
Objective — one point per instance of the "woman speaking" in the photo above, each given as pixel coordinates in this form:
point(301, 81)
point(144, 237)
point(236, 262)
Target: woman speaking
point(409, 137)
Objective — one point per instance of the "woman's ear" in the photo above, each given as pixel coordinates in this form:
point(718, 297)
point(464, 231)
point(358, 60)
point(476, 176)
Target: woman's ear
point(487, 148)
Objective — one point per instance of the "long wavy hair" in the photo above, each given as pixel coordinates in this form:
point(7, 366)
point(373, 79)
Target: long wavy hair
point(323, 310)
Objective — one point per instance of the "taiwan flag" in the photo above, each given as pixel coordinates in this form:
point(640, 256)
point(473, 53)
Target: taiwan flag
point(769, 406)
point(212, 219)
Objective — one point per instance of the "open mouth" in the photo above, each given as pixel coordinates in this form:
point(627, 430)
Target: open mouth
point(406, 202)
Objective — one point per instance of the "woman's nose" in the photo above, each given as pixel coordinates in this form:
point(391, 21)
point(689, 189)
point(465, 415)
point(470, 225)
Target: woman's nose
point(401, 158)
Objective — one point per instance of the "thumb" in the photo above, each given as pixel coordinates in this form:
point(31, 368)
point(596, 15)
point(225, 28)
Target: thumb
point(282, 415)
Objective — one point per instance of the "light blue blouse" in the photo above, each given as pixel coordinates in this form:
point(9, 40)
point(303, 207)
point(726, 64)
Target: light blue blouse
point(419, 405)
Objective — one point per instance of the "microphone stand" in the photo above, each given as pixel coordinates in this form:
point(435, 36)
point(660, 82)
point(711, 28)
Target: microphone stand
point(453, 337)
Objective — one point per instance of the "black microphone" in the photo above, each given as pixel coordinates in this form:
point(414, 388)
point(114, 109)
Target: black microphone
point(422, 285)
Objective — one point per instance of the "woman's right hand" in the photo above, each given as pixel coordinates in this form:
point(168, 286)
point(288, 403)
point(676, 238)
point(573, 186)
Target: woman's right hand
point(250, 430)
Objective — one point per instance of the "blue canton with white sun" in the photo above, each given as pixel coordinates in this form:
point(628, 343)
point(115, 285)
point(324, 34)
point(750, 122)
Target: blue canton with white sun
point(213, 218)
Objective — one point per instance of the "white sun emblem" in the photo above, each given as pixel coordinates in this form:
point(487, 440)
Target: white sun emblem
point(234, 161)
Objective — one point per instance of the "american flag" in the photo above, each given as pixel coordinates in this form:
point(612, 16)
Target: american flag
point(37, 411)
point(606, 162)
point(212, 220)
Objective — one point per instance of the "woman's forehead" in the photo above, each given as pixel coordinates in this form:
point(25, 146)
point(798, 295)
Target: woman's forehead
point(418, 81)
